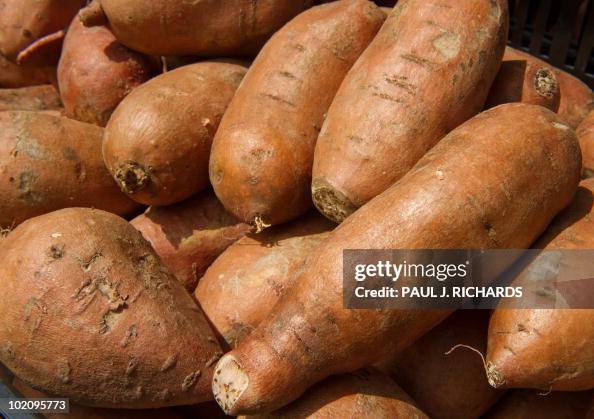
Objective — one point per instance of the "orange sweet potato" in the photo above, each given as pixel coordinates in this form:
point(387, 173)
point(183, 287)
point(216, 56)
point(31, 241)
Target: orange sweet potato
point(13, 75)
point(96, 72)
point(262, 155)
point(427, 71)
point(522, 404)
point(89, 313)
point(462, 194)
point(33, 98)
point(585, 133)
point(157, 142)
point(241, 287)
point(190, 235)
point(548, 348)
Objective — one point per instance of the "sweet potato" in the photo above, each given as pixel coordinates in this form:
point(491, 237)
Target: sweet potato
point(206, 28)
point(96, 72)
point(548, 348)
point(157, 142)
point(522, 404)
point(427, 71)
point(32, 98)
point(576, 98)
point(363, 394)
point(527, 82)
point(585, 133)
point(262, 155)
point(13, 75)
point(49, 162)
point(190, 235)
point(241, 287)
point(90, 313)
point(462, 194)
point(447, 386)
point(22, 22)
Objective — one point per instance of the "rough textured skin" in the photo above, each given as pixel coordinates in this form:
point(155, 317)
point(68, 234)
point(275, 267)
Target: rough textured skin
point(428, 70)
point(89, 313)
point(362, 394)
point(447, 386)
point(157, 142)
point(522, 404)
point(549, 349)
point(22, 22)
point(49, 162)
point(190, 235)
point(462, 194)
point(262, 155)
point(13, 75)
point(32, 98)
point(585, 133)
point(240, 288)
point(577, 99)
point(527, 82)
point(96, 72)
point(206, 27)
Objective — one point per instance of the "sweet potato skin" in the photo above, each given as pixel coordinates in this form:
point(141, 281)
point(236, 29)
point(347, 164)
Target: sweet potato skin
point(364, 393)
point(427, 71)
point(190, 235)
point(453, 198)
point(49, 162)
point(521, 404)
point(562, 357)
point(241, 287)
point(447, 386)
point(96, 72)
point(161, 157)
point(261, 160)
point(14, 76)
point(206, 28)
point(99, 320)
point(585, 134)
point(33, 98)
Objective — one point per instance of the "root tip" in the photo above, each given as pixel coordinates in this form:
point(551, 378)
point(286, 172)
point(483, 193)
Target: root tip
point(228, 383)
point(330, 202)
point(260, 225)
point(93, 14)
point(131, 177)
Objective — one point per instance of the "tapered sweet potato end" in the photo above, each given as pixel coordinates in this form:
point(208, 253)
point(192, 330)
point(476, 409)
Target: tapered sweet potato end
point(228, 383)
point(93, 14)
point(332, 203)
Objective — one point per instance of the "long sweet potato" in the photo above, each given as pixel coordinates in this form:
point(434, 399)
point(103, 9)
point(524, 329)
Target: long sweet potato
point(427, 71)
point(13, 75)
point(157, 142)
point(552, 348)
point(262, 155)
point(362, 394)
point(462, 194)
point(241, 287)
point(447, 386)
point(33, 98)
point(190, 235)
point(206, 28)
point(96, 72)
point(522, 404)
point(90, 313)
point(585, 133)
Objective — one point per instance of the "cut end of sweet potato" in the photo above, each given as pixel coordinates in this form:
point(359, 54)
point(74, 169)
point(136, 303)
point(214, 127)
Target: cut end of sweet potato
point(228, 383)
point(330, 202)
point(495, 378)
point(546, 83)
point(131, 177)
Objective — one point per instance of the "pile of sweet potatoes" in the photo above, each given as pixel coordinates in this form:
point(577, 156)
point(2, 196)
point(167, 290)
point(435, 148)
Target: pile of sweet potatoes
point(179, 181)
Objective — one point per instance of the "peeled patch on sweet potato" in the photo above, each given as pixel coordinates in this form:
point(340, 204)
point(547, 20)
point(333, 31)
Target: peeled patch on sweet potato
point(157, 142)
point(13, 75)
point(494, 182)
point(206, 27)
point(33, 98)
point(90, 313)
point(241, 287)
point(190, 235)
point(522, 404)
point(428, 70)
point(49, 162)
point(96, 72)
point(548, 349)
point(364, 393)
point(585, 134)
point(447, 385)
point(262, 155)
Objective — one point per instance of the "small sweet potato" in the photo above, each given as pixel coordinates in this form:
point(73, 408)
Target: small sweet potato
point(522, 404)
point(33, 98)
point(447, 386)
point(96, 72)
point(89, 313)
point(585, 133)
point(261, 159)
point(49, 162)
point(13, 75)
point(190, 235)
point(428, 70)
point(241, 287)
point(206, 27)
point(157, 142)
point(365, 393)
